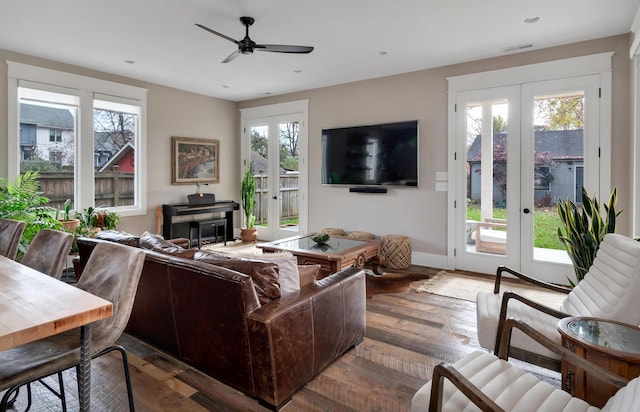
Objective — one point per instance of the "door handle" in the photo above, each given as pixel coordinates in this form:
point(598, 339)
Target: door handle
point(274, 197)
point(526, 210)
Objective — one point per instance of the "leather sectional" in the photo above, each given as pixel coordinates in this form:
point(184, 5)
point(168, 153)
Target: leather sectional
point(212, 317)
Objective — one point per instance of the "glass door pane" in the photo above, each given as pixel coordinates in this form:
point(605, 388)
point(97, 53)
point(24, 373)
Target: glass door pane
point(486, 207)
point(558, 162)
point(260, 159)
point(288, 175)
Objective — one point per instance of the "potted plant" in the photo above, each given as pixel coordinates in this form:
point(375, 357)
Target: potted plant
point(105, 219)
point(23, 200)
point(69, 224)
point(248, 197)
point(584, 228)
point(98, 219)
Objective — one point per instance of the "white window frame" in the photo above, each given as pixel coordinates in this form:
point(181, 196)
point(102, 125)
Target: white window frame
point(87, 89)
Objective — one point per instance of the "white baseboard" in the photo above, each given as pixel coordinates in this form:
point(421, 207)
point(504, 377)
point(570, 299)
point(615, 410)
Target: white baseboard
point(429, 259)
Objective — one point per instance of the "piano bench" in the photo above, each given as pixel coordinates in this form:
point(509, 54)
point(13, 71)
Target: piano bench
point(217, 224)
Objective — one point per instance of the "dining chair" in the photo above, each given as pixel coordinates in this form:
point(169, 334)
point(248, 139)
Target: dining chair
point(112, 272)
point(488, 382)
point(48, 251)
point(10, 233)
point(609, 290)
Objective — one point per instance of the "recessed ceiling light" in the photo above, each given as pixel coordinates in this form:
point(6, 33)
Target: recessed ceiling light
point(530, 20)
point(224, 86)
point(130, 61)
point(267, 93)
point(383, 53)
point(297, 71)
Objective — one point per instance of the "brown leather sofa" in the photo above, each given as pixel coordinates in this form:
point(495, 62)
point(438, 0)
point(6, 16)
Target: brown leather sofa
point(210, 317)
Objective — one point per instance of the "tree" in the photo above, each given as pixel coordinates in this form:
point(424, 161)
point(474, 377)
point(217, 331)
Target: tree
point(259, 144)
point(115, 129)
point(289, 134)
point(561, 113)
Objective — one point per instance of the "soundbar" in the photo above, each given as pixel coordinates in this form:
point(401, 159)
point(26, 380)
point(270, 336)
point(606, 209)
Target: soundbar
point(368, 189)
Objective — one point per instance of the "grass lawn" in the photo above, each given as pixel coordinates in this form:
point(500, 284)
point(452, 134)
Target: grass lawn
point(546, 224)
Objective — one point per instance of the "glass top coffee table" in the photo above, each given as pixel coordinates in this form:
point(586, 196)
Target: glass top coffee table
point(337, 254)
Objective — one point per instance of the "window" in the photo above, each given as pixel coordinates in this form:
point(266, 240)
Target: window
point(55, 135)
point(85, 136)
point(542, 177)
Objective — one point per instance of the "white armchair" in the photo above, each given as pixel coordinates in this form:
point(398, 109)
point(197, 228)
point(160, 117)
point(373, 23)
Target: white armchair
point(482, 381)
point(610, 290)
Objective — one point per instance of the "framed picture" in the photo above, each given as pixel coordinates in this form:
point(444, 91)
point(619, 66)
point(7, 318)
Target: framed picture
point(194, 160)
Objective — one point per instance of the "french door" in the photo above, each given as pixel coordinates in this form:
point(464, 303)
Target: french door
point(542, 146)
point(274, 146)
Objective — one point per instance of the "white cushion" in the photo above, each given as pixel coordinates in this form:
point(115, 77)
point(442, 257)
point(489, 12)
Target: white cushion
point(610, 290)
point(626, 399)
point(510, 387)
point(490, 235)
point(488, 313)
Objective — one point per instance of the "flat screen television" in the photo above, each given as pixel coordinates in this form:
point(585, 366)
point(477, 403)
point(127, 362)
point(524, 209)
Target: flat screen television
point(382, 154)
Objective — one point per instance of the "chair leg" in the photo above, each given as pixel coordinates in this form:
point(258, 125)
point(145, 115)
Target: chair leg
point(12, 393)
point(125, 365)
point(10, 396)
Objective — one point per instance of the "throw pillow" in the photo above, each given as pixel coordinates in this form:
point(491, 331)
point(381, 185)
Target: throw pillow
point(263, 274)
point(118, 237)
point(158, 244)
point(289, 276)
point(308, 274)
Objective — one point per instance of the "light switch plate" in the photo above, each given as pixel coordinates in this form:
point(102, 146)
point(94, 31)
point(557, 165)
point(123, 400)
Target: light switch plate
point(440, 176)
point(442, 186)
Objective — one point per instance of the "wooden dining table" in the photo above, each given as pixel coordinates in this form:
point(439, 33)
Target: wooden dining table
point(34, 306)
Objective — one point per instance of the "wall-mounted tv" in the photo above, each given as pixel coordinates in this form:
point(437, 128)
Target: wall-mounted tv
point(383, 154)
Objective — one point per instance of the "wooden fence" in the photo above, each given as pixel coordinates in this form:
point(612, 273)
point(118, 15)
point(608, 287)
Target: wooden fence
point(117, 188)
point(111, 188)
point(288, 194)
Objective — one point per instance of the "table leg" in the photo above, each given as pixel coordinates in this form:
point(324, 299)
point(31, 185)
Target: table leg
point(84, 369)
point(376, 262)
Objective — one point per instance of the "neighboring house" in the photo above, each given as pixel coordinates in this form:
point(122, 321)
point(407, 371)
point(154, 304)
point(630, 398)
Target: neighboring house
point(124, 159)
point(560, 176)
point(46, 133)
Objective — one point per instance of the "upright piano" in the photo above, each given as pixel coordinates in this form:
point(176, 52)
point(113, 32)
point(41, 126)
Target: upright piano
point(175, 225)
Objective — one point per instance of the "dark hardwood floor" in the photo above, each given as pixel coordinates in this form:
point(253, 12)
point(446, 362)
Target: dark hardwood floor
point(407, 335)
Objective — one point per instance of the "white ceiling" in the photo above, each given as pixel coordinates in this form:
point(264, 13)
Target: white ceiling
point(348, 36)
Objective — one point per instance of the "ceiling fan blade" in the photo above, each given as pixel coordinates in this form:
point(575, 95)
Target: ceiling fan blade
point(217, 34)
point(231, 56)
point(282, 48)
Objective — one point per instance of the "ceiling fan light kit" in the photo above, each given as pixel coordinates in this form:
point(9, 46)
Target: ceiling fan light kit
point(247, 46)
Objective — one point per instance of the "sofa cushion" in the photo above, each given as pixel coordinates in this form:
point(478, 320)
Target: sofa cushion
point(263, 274)
point(289, 277)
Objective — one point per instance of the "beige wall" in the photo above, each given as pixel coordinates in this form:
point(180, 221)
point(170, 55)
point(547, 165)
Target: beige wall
point(422, 213)
point(419, 213)
point(170, 112)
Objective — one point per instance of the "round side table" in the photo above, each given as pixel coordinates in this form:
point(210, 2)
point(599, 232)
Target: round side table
point(614, 346)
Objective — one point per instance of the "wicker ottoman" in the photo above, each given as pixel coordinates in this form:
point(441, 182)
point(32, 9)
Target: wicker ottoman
point(333, 231)
point(361, 235)
point(396, 250)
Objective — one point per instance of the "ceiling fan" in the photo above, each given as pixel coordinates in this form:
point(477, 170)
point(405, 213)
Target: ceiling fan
point(247, 46)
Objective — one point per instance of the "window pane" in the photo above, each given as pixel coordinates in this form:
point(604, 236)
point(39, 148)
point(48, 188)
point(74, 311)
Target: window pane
point(288, 175)
point(47, 142)
point(260, 156)
point(115, 139)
